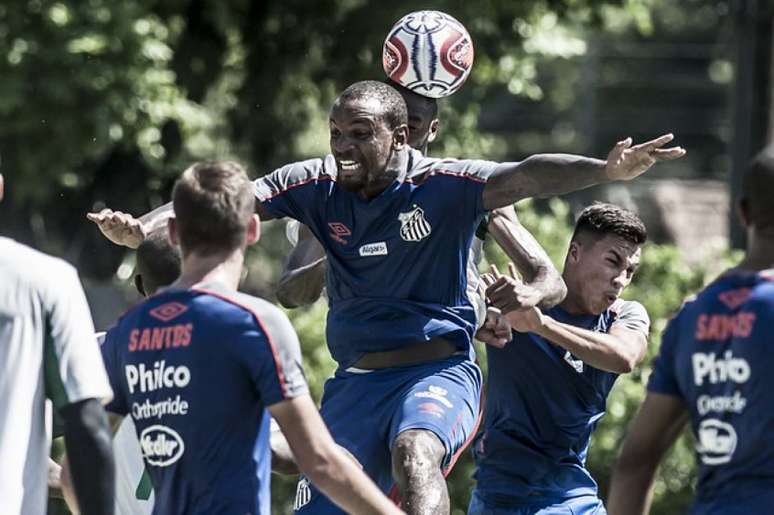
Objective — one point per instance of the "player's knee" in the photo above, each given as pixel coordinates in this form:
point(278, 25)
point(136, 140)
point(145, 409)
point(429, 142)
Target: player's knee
point(416, 456)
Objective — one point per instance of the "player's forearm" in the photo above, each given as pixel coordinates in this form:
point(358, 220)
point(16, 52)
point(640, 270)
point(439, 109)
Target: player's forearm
point(600, 350)
point(341, 480)
point(542, 175)
point(282, 459)
point(551, 285)
point(302, 285)
point(155, 219)
point(89, 448)
point(631, 487)
point(158, 217)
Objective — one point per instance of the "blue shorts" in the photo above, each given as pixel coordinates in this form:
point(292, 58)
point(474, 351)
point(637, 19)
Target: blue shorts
point(586, 505)
point(366, 411)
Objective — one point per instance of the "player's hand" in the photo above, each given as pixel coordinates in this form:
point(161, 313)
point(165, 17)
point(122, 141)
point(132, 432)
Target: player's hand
point(54, 479)
point(625, 162)
point(120, 228)
point(526, 321)
point(495, 331)
point(508, 292)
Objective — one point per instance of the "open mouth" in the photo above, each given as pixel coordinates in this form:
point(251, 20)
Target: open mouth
point(346, 165)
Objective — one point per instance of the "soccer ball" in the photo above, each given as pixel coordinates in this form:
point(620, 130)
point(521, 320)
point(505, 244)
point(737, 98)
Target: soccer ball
point(428, 52)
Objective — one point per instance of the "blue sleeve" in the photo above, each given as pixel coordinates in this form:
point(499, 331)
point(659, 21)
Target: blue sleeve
point(109, 349)
point(663, 378)
point(273, 358)
point(295, 190)
point(466, 193)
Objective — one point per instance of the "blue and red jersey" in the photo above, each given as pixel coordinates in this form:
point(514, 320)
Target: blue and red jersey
point(715, 355)
point(396, 270)
point(542, 406)
point(195, 369)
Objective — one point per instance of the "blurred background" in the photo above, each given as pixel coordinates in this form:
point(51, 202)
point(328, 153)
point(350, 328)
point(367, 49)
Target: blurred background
point(104, 102)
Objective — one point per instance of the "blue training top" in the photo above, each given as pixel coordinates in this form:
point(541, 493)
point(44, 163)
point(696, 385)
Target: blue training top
point(396, 271)
point(195, 369)
point(715, 356)
point(542, 405)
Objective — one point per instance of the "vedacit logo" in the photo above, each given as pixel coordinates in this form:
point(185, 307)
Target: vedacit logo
point(719, 369)
point(161, 446)
point(159, 376)
point(716, 441)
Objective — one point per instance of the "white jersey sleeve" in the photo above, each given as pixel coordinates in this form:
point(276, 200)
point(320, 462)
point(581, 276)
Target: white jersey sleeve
point(633, 316)
point(73, 364)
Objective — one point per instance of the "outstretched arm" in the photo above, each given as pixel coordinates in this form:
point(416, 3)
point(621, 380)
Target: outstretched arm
point(303, 277)
point(124, 229)
point(652, 432)
point(544, 286)
point(545, 175)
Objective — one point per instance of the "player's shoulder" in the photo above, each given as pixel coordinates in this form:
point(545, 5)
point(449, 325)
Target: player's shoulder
point(424, 167)
point(291, 176)
point(260, 311)
point(628, 308)
point(306, 170)
point(35, 269)
point(31, 261)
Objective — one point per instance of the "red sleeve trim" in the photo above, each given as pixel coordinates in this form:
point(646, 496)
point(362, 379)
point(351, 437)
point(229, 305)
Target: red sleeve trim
point(296, 185)
point(442, 171)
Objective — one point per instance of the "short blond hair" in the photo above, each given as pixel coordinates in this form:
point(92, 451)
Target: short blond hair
point(213, 202)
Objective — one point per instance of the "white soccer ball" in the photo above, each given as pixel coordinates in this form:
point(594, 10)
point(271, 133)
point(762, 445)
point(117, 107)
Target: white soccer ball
point(428, 52)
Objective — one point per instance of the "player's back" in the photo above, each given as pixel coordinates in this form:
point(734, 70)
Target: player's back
point(195, 369)
point(45, 328)
point(719, 350)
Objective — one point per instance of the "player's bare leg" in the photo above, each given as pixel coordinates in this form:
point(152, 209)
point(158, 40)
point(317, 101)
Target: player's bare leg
point(416, 468)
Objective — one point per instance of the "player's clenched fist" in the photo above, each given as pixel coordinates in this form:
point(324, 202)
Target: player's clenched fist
point(120, 228)
point(508, 292)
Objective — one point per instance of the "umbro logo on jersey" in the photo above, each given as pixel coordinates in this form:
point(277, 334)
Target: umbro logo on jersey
point(735, 298)
point(168, 311)
point(339, 231)
point(413, 225)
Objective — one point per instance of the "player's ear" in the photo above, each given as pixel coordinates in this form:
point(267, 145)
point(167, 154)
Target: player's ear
point(138, 285)
point(172, 232)
point(743, 212)
point(400, 136)
point(253, 230)
point(432, 131)
point(1, 187)
point(573, 254)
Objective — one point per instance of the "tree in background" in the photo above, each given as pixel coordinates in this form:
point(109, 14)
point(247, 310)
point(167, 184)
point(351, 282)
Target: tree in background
point(103, 102)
